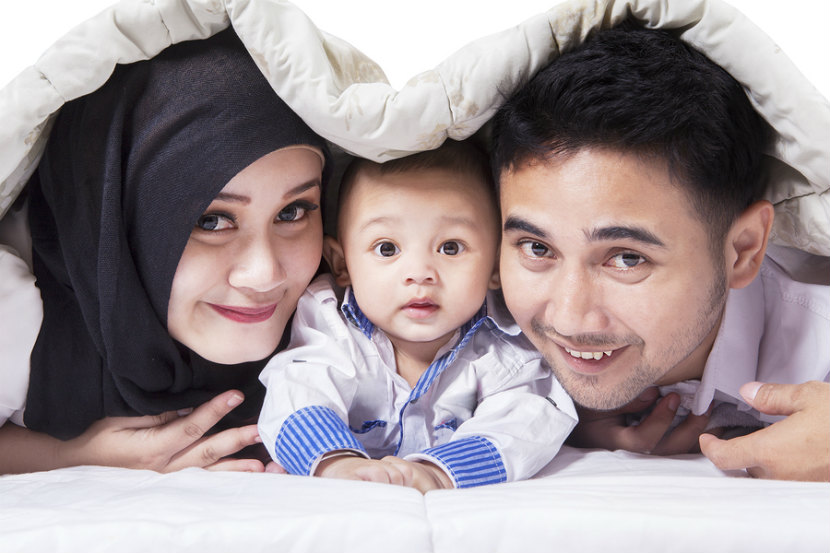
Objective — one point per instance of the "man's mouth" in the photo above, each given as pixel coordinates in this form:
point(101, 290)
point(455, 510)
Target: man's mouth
point(595, 355)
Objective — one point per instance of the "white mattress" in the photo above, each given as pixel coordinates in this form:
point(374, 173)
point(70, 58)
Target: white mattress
point(584, 501)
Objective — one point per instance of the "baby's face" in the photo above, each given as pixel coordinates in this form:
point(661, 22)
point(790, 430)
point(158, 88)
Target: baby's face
point(421, 251)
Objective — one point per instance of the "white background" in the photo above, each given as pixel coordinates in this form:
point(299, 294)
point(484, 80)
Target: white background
point(408, 36)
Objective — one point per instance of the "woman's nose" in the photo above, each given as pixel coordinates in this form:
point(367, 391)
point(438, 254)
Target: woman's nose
point(257, 265)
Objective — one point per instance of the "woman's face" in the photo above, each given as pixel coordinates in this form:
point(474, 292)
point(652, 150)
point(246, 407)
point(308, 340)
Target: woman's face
point(249, 258)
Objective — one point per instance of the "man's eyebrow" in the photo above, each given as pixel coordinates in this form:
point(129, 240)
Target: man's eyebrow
point(513, 223)
point(624, 233)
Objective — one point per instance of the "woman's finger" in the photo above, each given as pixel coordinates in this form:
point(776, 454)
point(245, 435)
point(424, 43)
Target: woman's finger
point(213, 449)
point(190, 428)
point(237, 465)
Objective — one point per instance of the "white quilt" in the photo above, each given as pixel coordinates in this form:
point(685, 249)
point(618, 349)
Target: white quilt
point(344, 95)
point(584, 501)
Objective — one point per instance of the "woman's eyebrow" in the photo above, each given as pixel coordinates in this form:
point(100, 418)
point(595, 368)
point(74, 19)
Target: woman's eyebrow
point(229, 197)
point(300, 188)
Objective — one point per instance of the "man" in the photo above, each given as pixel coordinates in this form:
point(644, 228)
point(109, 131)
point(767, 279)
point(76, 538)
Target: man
point(634, 255)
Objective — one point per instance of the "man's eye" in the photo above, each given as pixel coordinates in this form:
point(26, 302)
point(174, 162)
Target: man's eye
point(213, 222)
point(626, 260)
point(534, 249)
point(451, 247)
point(386, 249)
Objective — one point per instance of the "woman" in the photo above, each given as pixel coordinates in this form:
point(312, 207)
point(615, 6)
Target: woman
point(175, 223)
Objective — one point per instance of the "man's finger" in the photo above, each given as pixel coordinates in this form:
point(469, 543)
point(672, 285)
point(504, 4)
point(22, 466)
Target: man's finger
point(779, 399)
point(645, 437)
point(684, 438)
point(734, 454)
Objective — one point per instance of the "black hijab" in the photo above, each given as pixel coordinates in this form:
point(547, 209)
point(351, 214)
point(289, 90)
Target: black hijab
point(126, 173)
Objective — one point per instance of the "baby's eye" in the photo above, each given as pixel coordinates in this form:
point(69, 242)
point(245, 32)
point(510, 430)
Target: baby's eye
point(534, 249)
point(451, 247)
point(626, 260)
point(386, 249)
point(213, 222)
point(295, 211)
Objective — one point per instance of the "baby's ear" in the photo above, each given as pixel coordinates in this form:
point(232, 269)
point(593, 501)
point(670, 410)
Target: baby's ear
point(495, 279)
point(333, 253)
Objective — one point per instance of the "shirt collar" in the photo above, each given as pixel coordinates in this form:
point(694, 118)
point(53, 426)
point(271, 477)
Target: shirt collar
point(355, 315)
point(734, 357)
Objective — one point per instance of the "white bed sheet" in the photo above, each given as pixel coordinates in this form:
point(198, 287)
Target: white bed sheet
point(584, 501)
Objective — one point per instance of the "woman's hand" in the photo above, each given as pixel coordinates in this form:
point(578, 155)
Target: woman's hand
point(167, 442)
point(164, 443)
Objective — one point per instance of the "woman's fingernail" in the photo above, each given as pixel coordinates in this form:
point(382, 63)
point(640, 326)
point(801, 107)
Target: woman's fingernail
point(235, 400)
point(185, 412)
point(750, 390)
point(673, 402)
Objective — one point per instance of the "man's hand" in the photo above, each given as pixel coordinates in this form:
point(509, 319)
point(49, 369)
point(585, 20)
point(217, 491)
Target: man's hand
point(389, 470)
point(608, 429)
point(167, 442)
point(795, 448)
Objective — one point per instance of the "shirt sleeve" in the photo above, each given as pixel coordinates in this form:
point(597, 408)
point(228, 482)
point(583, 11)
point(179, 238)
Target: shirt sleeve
point(21, 313)
point(309, 390)
point(516, 429)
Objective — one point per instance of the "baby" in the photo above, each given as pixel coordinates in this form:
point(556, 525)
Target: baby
point(404, 365)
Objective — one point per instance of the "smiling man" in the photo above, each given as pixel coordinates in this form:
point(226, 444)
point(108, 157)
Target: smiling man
point(635, 255)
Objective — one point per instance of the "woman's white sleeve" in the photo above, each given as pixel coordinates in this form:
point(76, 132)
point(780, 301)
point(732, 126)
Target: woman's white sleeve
point(21, 313)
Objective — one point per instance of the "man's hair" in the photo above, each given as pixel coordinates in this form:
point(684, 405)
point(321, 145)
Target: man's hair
point(458, 157)
point(643, 92)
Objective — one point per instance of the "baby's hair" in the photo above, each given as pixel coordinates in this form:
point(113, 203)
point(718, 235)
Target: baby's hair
point(464, 158)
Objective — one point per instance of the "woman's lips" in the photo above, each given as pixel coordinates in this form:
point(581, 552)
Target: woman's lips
point(245, 314)
point(420, 308)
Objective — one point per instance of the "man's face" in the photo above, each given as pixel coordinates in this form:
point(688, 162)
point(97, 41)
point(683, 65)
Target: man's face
point(608, 272)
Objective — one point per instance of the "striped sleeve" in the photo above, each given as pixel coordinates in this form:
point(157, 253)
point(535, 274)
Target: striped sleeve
point(308, 434)
point(472, 461)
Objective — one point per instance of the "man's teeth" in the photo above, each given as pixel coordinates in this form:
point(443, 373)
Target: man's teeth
point(596, 355)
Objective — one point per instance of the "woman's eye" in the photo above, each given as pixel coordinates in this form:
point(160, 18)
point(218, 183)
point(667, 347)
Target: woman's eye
point(213, 222)
point(451, 247)
point(534, 249)
point(291, 213)
point(295, 211)
point(386, 249)
point(626, 260)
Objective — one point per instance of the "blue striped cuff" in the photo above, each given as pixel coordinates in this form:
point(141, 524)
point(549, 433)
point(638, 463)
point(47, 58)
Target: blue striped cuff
point(472, 461)
point(309, 433)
